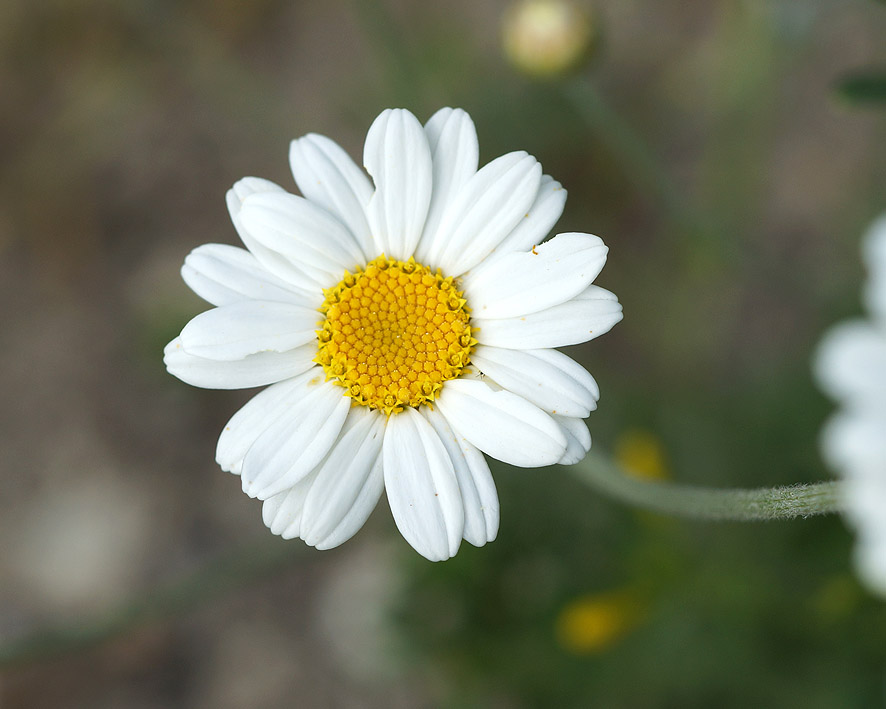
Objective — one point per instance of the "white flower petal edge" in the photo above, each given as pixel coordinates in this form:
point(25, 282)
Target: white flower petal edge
point(853, 440)
point(850, 365)
point(478, 494)
point(253, 419)
point(525, 282)
point(327, 176)
point(549, 379)
point(592, 313)
point(484, 211)
point(271, 260)
point(578, 439)
point(222, 275)
point(502, 424)
point(333, 513)
point(869, 554)
point(422, 487)
point(254, 370)
point(455, 151)
point(240, 329)
point(333, 502)
point(295, 443)
point(860, 452)
point(282, 513)
point(398, 158)
point(308, 236)
point(535, 225)
point(874, 245)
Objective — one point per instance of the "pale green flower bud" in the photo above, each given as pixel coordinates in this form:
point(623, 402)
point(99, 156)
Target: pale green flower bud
point(548, 38)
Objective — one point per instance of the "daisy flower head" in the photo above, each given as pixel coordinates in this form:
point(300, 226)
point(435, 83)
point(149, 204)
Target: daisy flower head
point(405, 321)
point(851, 367)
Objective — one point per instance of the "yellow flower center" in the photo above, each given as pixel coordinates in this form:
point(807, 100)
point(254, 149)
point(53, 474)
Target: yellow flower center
point(393, 333)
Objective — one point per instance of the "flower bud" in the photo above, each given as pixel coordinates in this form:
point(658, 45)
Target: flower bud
point(548, 38)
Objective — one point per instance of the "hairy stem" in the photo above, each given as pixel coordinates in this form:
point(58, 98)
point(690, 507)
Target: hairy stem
point(688, 501)
point(624, 144)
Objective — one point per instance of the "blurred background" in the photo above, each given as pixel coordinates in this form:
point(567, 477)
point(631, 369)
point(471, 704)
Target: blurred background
point(709, 143)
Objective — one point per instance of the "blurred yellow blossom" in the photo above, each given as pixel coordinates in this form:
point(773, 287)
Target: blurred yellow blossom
point(640, 454)
point(594, 622)
point(836, 599)
point(548, 38)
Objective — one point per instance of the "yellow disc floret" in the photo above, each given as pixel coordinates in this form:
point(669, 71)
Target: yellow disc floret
point(393, 333)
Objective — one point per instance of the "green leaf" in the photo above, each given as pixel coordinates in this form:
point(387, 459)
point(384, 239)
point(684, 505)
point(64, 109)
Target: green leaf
point(866, 88)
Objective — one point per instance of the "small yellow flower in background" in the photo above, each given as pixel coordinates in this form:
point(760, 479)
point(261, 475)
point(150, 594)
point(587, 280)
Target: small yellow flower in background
point(548, 38)
point(836, 599)
point(640, 455)
point(594, 622)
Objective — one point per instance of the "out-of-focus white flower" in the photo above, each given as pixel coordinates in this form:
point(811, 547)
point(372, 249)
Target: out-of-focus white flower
point(851, 367)
point(406, 327)
point(548, 38)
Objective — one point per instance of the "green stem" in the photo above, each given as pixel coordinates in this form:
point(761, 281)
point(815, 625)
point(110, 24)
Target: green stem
point(636, 160)
point(700, 503)
point(216, 577)
point(395, 55)
point(624, 144)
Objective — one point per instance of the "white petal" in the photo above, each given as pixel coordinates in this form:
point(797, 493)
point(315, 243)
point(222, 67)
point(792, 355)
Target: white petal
point(454, 153)
point(864, 492)
point(328, 498)
point(249, 326)
point(535, 225)
point(282, 513)
point(359, 512)
point(484, 211)
point(308, 236)
point(870, 560)
point(874, 244)
point(875, 296)
point(421, 486)
point(291, 447)
point(578, 439)
point(271, 507)
point(478, 494)
point(526, 282)
point(590, 314)
point(253, 370)
point(851, 363)
point(268, 258)
point(874, 249)
point(549, 379)
point(327, 176)
point(398, 157)
point(501, 424)
point(254, 418)
point(348, 483)
point(855, 440)
point(224, 274)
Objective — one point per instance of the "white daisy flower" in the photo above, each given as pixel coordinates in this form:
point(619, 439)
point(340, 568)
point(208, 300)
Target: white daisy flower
point(851, 367)
point(405, 325)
